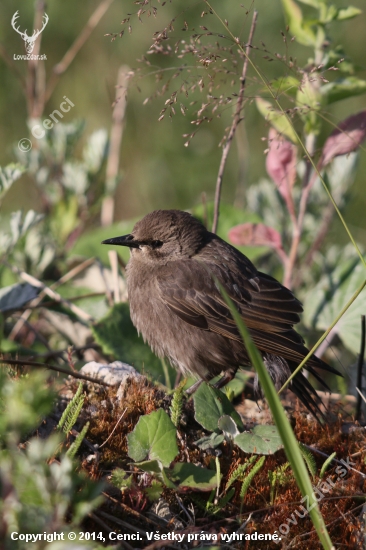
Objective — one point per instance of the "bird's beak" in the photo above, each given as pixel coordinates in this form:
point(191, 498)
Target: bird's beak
point(125, 240)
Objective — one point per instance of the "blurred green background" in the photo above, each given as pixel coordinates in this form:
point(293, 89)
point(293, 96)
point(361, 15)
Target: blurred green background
point(157, 171)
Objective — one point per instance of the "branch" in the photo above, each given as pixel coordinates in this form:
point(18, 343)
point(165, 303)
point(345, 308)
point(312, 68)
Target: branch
point(297, 224)
point(27, 313)
point(234, 125)
point(69, 56)
point(56, 369)
point(119, 108)
point(51, 293)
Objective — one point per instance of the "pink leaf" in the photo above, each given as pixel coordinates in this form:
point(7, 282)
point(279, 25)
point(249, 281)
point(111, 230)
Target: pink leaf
point(255, 234)
point(346, 138)
point(281, 163)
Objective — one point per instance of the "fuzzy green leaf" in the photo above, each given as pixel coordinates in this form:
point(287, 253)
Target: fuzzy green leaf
point(190, 476)
point(262, 440)
point(277, 119)
point(298, 27)
point(154, 437)
point(343, 88)
point(210, 404)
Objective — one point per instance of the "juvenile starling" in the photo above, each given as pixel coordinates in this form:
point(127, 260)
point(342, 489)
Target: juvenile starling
point(177, 307)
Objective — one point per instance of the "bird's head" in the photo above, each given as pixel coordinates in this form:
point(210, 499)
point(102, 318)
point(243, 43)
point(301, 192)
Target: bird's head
point(164, 235)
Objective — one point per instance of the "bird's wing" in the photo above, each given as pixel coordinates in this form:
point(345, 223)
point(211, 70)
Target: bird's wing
point(265, 305)
point(267, 308)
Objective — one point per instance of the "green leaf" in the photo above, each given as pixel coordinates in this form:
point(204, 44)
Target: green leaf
point(309, 100)
point(348, 13)
point(262, 440)
point(117, 336)
point(328, 298)
point(16, 296)
point(154, 492)
point(284, 428)
point(328, 461)
point(154, 437)
point(287, 85)
point(121, 480)
point(210, 441)
point(309, 459)
point(249, 478)
point(277, 119)
point(343, 88)
point(190, 476)
point(210, 404)
point(314, 3)
point(298, 28)
point(227, 425)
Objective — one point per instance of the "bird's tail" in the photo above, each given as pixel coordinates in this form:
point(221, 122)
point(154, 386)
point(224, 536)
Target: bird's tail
point(281, 369)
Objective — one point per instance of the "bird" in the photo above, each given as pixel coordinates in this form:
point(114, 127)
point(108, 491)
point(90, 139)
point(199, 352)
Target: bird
point(177, 307)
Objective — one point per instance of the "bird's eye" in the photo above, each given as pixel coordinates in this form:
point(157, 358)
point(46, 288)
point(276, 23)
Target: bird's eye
point(156, 244)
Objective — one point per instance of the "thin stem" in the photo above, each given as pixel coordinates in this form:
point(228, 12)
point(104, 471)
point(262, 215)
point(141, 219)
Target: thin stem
point(23, 362)
point(234, 125)
point(119, 108)
point(298, 138)
point(51, 293)
point(297, 223)
point(360, 367)
point(27, 313)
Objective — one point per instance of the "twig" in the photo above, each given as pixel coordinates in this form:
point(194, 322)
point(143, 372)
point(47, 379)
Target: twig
point(69, 56)
point(131, 511)
point(36, 77)
point(107, 212)
point(112, 432)
point(360, 367)
point(27, 313)
point(35, 282)
point(38, 335)
point(56, 369)
point(325, 344)
point(297, 224)
point(123, 523)
point(107, 289)
point(50, 303)
point(204, 207)
point(94, 517)
point(236, 120)
point(113, 260)
point(314, 450)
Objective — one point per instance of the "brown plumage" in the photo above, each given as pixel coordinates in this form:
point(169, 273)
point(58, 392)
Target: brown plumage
point(177, 307)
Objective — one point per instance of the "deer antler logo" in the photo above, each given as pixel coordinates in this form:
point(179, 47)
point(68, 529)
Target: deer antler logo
point(29, 40)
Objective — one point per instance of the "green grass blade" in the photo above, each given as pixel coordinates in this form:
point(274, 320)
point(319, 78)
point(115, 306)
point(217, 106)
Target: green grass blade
point(288, 438)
